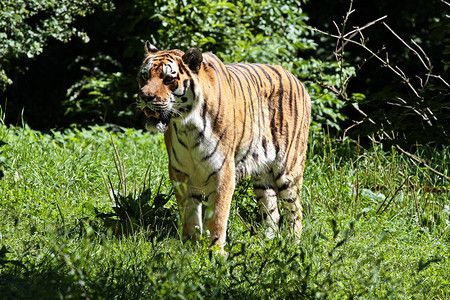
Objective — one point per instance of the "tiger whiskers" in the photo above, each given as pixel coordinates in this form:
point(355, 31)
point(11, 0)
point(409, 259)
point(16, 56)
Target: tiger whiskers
point(176, 112)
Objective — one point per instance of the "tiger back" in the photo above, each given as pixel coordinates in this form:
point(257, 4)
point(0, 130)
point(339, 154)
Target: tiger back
point(222, 123)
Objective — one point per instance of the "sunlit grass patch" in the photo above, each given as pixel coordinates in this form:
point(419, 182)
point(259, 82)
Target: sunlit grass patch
point(375, 225)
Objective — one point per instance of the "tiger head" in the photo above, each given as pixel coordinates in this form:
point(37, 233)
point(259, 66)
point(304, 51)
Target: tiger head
point(167, 84)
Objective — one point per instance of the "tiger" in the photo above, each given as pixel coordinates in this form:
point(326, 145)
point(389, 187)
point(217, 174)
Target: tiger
point(222, 123)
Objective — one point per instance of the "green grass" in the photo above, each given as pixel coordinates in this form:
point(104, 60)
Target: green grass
point(376, 226)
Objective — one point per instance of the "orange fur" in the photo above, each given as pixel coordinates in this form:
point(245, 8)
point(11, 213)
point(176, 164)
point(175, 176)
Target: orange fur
point(224, 122)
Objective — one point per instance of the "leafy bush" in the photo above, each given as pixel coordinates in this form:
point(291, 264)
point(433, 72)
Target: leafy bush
point(94, 82)
point(100, 95)
point(26, 26)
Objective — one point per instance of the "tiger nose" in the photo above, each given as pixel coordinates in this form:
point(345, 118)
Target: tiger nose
point(147, 97)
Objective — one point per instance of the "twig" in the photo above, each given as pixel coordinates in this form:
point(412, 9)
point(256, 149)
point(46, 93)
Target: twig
point(250, 229)
point(424, 116)
point(384, 62)
point(343, 39)
point(392, 198)
point(408, 46)
point(423, 53)
point(358, 29)
point(439, 77)
point(422, 162)
point(445, 2)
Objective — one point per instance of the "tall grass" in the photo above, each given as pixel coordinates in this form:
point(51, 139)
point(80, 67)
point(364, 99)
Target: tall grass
point(375, 225)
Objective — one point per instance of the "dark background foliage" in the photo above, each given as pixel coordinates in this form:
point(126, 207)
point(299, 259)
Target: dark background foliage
point(74, 63)
point(426, 23)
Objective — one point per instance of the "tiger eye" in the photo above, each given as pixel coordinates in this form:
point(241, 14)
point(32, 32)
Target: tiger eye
point(168, 80)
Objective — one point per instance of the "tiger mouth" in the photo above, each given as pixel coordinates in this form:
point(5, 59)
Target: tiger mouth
point(151, 114)
point(158, 120)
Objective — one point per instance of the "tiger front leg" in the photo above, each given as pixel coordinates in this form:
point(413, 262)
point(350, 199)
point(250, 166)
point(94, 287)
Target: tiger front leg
point(190, 207)
point(219, 195)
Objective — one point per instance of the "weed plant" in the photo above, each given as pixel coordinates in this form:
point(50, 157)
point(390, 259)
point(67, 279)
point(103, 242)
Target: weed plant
point(375, 225)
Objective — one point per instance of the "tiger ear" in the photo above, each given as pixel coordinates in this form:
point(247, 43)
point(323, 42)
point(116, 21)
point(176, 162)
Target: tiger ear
point(149, 48)
point(193, 59)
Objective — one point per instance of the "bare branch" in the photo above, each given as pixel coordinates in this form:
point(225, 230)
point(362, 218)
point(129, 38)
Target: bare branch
point(422, 162)
point(424, 116)
point(342, 40)
point(357, 29)
point(445, 2)
point(384, 62)
point(423, 53)
point(442, 79)
point(408, 46)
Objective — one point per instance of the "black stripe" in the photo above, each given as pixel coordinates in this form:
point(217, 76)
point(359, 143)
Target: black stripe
point(216, 147)
point(255, 73)
point(204, 109)
point(252, 111)
point(289, 200)
point(219, 82)
point(261, 118)
point(249, 88)
point(236, 77)
point(296, 131)
point(300, 129)
point(291, 95)
point(269, 78)
point(280, 99)
point(233, 83)
point(293, 130)
point(278, 109)
point(198, 197)
point(234, 131)
point(285, 186)
point(178, 171)
point(175, 156)
point(182, 68)
point(222, 69)
point(262, 187)
point(216, 118)
point(264, 145)
point(268, 98)
point(273, 131)
point(281, 173)
point(178, 138)
point(223, 162)
point(162, 56)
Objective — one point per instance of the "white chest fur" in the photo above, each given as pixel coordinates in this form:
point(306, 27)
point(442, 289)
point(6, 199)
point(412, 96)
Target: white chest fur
point(195, 150)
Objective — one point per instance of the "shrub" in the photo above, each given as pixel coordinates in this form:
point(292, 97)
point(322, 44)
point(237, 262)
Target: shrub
point(94, 82)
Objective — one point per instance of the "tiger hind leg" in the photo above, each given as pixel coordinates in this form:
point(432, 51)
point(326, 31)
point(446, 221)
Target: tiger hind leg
point(266, 197)
point(289, 194)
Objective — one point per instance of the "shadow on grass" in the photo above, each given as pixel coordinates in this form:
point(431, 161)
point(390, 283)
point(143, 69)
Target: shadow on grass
point(38, 282)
